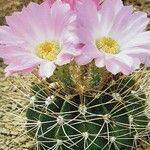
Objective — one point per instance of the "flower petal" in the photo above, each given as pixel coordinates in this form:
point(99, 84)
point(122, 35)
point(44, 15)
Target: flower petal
point(99, 62)
point(46, 69)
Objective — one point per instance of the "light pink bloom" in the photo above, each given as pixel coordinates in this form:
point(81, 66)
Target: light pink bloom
point(38, 36)
point(114, 36)
point(73, 3)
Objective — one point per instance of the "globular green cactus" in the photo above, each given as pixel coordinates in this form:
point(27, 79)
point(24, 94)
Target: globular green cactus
point(87, 109)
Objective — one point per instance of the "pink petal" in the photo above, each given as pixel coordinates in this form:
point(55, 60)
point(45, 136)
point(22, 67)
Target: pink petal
point(85, 18)
point(121, 20)
point(50, 2)
point(88, 53)
point(140, 39)
point(127, 64)
point(46, 69)
point(107, 12)
point(145, 60)
point(72, 3)
point(83, 59)
point(112, 67)
point(64, 59)
point(25, 71)
point(23, 65)
point(12, 51)
point(99, 62)
point(7, 37)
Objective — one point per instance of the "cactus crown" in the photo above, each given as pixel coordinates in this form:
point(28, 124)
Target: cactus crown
point(86, 108)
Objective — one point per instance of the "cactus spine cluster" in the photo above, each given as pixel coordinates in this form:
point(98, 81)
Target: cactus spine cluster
point(86, 108)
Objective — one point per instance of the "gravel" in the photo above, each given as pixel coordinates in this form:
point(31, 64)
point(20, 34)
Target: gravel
point(13, 135)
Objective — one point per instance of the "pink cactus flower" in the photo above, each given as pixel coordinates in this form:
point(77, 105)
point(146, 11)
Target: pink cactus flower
point(38, 36)
point(114, 36)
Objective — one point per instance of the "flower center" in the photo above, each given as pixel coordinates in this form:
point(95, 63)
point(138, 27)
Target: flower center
point(48, 50)
point(108, 45)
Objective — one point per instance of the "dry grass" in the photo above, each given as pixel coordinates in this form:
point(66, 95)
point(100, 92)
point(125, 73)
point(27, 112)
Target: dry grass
point(12, 116)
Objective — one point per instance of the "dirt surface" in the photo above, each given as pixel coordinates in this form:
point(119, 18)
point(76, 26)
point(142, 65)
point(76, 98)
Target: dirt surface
point(13, 100)
point(14, 91)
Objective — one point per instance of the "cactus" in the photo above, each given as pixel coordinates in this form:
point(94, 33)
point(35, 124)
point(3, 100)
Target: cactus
point(86, 108)
point(80, 106)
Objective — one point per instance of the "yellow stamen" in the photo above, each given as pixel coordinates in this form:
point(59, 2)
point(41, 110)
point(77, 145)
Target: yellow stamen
point(108, 45)
point(48, 50)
